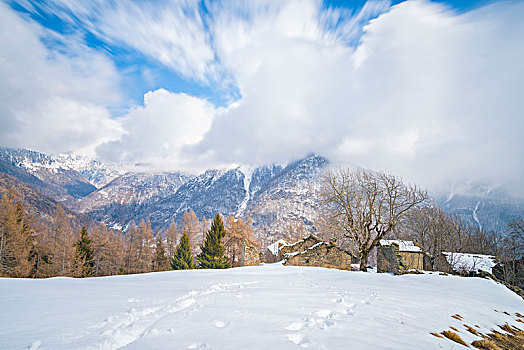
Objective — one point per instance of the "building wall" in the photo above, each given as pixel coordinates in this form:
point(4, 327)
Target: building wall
point(323, 255)
point(389, 259)
point(250, 256)
point(412, 260)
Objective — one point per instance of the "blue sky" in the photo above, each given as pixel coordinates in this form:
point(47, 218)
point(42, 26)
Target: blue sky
point(428, 90)
point(141, 73)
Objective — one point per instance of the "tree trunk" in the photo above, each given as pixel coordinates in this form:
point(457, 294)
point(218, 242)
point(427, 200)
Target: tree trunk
point(364, 260)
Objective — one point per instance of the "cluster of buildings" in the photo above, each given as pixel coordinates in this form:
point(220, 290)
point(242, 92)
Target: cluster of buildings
point(393, 256)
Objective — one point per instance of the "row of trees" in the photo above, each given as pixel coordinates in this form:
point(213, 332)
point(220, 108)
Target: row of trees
point(31, 248)
point(212, 253)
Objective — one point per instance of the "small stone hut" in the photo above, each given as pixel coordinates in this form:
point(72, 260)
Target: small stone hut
point(320, 254)
point(464, 263)
point(396, 256)
point(250, 256)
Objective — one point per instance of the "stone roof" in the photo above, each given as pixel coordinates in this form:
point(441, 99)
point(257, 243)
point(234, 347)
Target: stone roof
point(470, 262)
point(274, 247)
point(403, 246)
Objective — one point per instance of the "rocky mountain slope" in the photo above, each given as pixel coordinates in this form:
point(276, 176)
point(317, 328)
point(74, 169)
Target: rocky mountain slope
point(487, 207)
point(274, 196)
point(40, 206)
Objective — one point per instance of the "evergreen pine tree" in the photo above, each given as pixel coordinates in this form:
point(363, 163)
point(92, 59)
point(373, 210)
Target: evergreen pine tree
point(212, 253)
point(84, 255)
point(182, 259)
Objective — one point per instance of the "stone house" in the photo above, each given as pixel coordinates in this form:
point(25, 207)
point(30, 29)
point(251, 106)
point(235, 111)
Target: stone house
point(396, 256)
point(299, 246)
point(464, 263)
point(250, 256)
point(320, 254)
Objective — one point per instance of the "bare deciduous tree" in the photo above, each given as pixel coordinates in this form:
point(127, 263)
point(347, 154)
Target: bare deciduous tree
point(238, 233)
point(366, 205)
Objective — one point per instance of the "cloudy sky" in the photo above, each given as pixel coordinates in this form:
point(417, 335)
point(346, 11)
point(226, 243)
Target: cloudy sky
point(431, 91)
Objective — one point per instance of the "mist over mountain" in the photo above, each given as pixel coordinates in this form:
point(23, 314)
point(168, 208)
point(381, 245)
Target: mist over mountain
point(274, 196)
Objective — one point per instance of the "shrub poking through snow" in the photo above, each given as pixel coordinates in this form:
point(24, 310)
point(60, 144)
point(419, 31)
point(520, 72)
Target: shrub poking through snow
point(471, 330)
point(485, 344)
point(514, 339)
point(455, 337)
point(436, 335)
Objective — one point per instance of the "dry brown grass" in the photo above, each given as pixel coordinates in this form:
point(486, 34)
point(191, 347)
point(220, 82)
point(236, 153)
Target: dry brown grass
point(509, 337)
point(471, 330)
point(499, 341)
point(455, 337)
point(485, 344)
point(507, 328)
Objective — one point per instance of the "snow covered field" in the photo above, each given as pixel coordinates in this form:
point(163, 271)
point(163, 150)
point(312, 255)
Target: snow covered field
point(265, 307)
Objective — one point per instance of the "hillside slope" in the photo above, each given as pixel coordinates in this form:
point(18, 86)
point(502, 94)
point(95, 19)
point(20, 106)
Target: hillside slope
point(263, 307)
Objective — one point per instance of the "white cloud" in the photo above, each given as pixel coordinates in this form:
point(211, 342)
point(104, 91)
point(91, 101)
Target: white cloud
point(158, 132)
point(427, 93)
point(52, 101)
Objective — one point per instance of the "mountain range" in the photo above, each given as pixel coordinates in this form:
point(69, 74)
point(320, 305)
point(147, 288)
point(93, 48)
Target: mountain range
point(274, 196)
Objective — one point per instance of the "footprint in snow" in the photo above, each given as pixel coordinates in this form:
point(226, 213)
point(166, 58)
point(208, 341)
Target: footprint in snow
point(35, 345)
point(298, 339)
point(221, 324)
point(324, 313)
point(347, 308)
point(198, 346)
point(295, 326)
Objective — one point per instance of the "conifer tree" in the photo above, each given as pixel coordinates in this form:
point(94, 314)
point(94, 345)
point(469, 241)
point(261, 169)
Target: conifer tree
point(182, 259)
point(212, 253)
point(84, 255)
